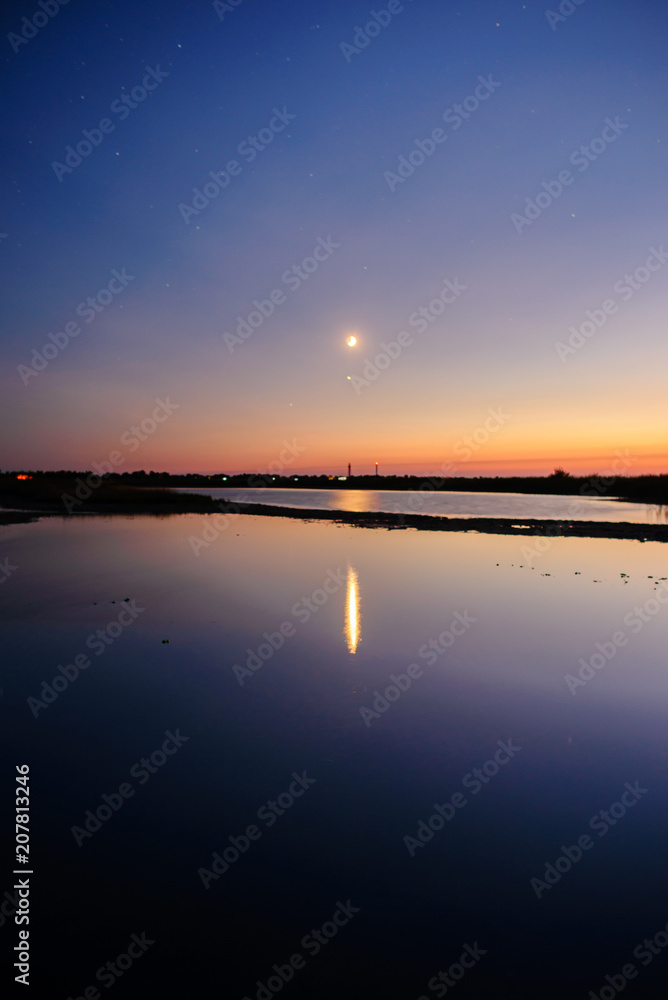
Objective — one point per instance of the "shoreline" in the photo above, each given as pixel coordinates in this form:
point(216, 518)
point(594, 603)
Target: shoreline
point(621, 498)
point(528, 527)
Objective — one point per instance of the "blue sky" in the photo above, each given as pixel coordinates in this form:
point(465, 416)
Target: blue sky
point(219, 80)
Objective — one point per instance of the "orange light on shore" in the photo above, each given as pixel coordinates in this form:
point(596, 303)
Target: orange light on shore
point(24, 477)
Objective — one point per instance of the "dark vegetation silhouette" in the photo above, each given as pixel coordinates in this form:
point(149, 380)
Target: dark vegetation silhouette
point(114, 487)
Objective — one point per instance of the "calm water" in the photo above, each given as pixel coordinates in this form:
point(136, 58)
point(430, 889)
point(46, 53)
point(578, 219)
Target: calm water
point(358, 606)
point(451, 504)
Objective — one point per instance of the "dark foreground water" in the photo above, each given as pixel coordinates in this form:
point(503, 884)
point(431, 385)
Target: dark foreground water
point(363, 803)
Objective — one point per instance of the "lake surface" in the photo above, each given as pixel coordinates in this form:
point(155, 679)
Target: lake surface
point(356, 679)
point(458, 504)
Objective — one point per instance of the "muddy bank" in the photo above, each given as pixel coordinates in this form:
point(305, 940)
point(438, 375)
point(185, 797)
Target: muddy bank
point(487, 525)
point(16, 517)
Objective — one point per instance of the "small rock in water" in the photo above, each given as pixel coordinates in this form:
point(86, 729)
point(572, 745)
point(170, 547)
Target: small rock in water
point(166, 640)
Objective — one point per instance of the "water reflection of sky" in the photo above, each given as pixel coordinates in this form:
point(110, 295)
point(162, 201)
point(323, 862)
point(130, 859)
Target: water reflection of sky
point(535, 616)
point(258, 571)
point(455, 504)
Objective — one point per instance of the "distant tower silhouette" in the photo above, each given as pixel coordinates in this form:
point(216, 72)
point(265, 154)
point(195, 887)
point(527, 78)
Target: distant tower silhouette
point(348, 468)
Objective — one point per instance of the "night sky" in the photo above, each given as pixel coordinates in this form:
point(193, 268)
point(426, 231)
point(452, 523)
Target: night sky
point(358, 176)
